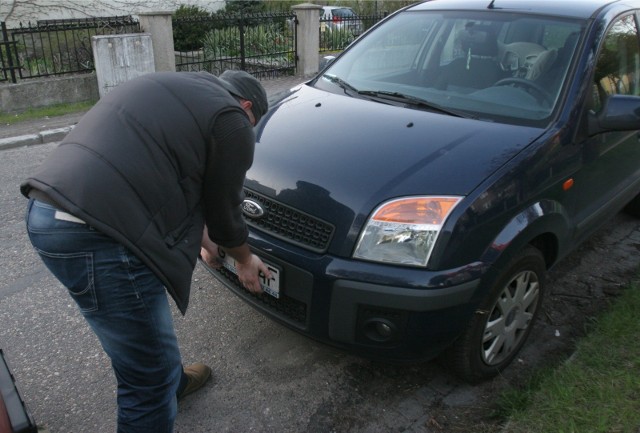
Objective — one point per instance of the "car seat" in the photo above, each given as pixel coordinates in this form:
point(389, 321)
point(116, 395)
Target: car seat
point(543, 63)
point(476, 67)
point(551, 65)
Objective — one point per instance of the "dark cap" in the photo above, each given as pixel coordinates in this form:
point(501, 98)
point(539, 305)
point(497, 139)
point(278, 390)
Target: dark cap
point(246, 86)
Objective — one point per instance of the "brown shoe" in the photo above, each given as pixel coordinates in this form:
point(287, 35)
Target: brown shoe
point(197, 376)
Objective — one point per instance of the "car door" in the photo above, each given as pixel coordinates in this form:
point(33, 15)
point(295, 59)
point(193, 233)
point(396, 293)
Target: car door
point(610, 168)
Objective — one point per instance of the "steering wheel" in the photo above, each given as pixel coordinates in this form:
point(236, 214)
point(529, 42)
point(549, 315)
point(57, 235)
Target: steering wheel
point(543, 95)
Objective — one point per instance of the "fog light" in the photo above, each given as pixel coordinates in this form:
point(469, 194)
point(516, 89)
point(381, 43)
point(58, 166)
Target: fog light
point(380, 330)
point(383, 329)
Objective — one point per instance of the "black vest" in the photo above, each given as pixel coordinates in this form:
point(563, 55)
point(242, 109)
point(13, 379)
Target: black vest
point(133, 169)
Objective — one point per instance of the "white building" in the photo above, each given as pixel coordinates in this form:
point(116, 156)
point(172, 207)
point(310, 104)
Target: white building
point(14, 12)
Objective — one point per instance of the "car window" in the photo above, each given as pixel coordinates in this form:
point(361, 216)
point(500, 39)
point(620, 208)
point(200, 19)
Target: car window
point(392, 51)
point(343, 13)
point(495, 66)
point(617, 69)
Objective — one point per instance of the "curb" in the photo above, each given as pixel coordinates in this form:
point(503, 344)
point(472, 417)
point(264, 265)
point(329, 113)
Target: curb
point(272, 87)
point(33, 139)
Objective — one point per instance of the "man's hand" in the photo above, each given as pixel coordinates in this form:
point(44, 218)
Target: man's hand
point(248, 273)
point(248, 265)
point(211, 257)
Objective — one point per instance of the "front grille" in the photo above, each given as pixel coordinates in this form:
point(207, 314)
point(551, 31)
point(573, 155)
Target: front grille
point(285, 307)
point(290, 224)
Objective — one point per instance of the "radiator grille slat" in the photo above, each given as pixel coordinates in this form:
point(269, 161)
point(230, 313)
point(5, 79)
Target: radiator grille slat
point(290, 224)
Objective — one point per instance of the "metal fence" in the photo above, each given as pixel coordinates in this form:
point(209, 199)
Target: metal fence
point(262, 44)
point(55, 47)
point(337, 33)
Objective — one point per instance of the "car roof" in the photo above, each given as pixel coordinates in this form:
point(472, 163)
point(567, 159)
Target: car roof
point(568, 8)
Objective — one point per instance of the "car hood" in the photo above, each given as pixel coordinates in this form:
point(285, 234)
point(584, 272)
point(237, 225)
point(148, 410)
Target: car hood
point(337, 157)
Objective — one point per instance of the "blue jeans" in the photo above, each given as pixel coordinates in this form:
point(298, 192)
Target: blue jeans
point(126, 306)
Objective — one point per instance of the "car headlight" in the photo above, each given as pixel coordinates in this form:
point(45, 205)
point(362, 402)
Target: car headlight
point(404, 231)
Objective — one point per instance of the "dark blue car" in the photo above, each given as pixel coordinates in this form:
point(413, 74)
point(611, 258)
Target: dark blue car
point(411, 197)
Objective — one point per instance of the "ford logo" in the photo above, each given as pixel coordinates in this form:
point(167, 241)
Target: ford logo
point(252, 209)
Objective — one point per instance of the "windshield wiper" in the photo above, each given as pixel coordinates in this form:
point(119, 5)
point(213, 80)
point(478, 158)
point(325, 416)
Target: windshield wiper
point(412, 100)
point(395, 96)
point(340, 82)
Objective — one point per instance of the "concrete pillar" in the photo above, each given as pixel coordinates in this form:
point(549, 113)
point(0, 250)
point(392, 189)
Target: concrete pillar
point(308, 37)
point(160, 27)
point(119, 58)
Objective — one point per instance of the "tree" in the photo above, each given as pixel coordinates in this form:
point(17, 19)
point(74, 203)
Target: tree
point(244, 6)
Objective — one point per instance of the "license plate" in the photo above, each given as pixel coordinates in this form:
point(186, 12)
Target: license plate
point(269, 285)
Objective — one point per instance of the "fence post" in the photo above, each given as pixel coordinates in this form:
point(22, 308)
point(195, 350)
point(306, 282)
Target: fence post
point(308, 37)
point(160, 27)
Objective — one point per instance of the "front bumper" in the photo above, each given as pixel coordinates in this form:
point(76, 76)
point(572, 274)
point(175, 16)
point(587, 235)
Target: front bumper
point(361, 307)
point(398, 320)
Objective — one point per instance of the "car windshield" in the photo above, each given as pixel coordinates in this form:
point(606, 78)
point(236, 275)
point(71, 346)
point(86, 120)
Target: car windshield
point(503, 67)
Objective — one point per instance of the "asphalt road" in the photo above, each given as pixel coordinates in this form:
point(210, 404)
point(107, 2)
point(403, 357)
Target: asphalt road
point(266, 378)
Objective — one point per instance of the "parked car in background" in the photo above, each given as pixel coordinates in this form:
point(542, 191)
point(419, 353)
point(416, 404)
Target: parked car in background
point(341, 18)
point(473, 145)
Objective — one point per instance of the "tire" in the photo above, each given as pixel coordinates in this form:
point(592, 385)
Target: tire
point(503, 320)
point(633, 207)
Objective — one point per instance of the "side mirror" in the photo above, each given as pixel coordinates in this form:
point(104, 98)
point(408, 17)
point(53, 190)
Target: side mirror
point(326, 60)
point(620, 113)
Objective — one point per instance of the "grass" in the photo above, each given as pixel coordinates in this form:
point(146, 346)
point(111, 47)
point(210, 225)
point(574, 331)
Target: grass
point(596, 391)
point(38, 113)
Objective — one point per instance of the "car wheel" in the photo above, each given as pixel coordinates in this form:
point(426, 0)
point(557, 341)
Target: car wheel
point(503, 321)
point(633, 207)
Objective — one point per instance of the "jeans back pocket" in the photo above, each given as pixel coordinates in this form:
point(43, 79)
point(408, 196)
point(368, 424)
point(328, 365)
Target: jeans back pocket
point(75, 272)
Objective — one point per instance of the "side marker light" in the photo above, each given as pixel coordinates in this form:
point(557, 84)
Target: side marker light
point(567, 185)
